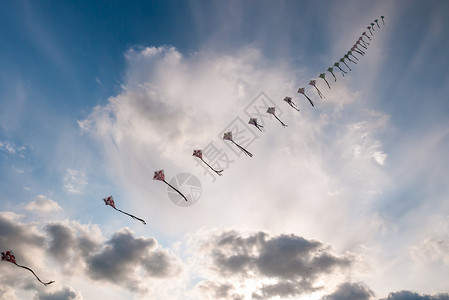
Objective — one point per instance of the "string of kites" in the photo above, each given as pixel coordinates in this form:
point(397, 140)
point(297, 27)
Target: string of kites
point(159, 175)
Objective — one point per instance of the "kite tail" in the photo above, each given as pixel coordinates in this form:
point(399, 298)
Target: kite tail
point(335, 78)
point(366, 43)
point(218, 172)
point(362, 46)
point(327, 82)
point(294, 107)
point(134, 217)
point(370, 31)
point(352, 61)
point(358, 52)
point(175, 190)
point(342, 71)
point(319, 93)
point(383, 21)
point(280, 121)
point(377, 24)
point(44, 283)
point(311, 102)
point(354, 56)
point(243, 149)
point(347, 66)
point(259, 127)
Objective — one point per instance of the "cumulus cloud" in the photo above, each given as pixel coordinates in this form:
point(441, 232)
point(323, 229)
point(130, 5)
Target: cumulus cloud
point(81, 250)
point(282, 265)
point(351, 291)
point(42, 204)
point(66, 293)
point(409, 295)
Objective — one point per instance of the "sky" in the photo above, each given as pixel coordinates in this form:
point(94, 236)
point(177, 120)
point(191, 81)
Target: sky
point(349, 201)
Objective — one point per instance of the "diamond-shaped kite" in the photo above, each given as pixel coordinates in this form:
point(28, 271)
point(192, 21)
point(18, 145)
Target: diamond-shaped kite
point(323, 76)
point(159, 175)
point(313, 83)
point(253, 121)
point(228, 136)
point(291, 103)
point(199, 154)
point(9, 256)
point(110, 201)
point(272, 110)
point(302, 91)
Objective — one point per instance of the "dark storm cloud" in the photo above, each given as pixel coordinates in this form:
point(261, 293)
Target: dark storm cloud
point(61, 240)
point(123, 255)
point(350, 291)
point(408, 295)
point(16, 236)
point(290, 263)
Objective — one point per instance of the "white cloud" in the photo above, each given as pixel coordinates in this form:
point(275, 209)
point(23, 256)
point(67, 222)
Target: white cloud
point(74, 181)
point(42, 204)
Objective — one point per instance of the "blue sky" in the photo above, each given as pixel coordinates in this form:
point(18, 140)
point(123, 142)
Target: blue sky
point(347, 202)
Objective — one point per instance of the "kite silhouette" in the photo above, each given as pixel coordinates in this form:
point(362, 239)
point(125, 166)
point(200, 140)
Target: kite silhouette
point(199, 154)
point(110, 201)
point(313, 83)
point(272, 110)
point(290, 102)
point(253, 121)
point(9, 256)
point(323, 76)
point(159, 175)
point(331, 70)
point(302, 91)
point(228, 136)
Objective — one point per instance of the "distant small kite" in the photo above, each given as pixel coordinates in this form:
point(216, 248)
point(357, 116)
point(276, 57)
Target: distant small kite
point(159, 175)
point(372, 26)
point(369, 28)
point(313, 83)
point(253, 121)
point(290, 102)
point(364, 33)
point(350, 53)
point(9, 256)
point(377, 23)
point(343, 61)
point(110, 201)
point(272, 110)
point(338, 66)
point(347, 57)
point(228, 136)
point(199, 154)
point(323, 76)
point(302, 91)
point(382, 17)
point(331, 70)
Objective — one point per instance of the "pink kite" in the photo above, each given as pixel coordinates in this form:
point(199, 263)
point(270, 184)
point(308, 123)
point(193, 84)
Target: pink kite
point(364, 33)
point(9, 256)
point(228, 136)
point(313, 83)
point(369, 28)
point(199, 154)
point(290, 102)
point(302, 91)
point(253, 121)
point(159, 175)
point(272, 110)
point(110, 201)
point(323, 76)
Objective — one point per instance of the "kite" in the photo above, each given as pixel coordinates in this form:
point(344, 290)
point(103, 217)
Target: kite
point(331, 70)
point(338, 66)
point(350, 53)
point(382, 17)
point(253, 121)
point(290, 102)
point(363, 41)
point(323, 76)
point(9, 256)
point(377, 23)
point(159, 175)
point(301, 91)
point(358, 43)
point(372, 26)
point(228, 136)
point(358, 50)
point(343, 61)
point(271, 110)
point(110, 201)
point(199, 154)
point(313, 83)
point(347, 57)
point(369, 28)
point(364, 33)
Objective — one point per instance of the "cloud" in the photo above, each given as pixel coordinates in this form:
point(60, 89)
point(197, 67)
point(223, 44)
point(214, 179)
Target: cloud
point(277, 266)
point(408, 295)
point(74, 181)
point(42, 204)
point(66, 293)
point(351, 291)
